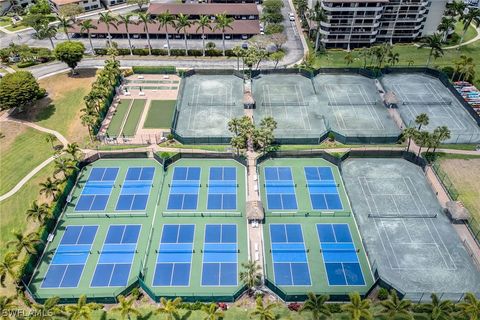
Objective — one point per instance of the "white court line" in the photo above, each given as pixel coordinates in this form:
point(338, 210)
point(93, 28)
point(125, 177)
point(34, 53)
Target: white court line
point(373, 112)
point(331, 97)
point(303, 108)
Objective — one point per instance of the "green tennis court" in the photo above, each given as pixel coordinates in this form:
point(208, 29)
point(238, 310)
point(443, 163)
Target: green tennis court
point(133, 118)
point(160, 114)
point(115, 126)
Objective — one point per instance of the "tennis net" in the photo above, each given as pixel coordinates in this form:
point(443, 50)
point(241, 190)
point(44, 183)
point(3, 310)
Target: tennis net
point(397, 216)
point(162, 251)
point(428, 103)
point(340, 250)
point(211, 104)
point(117, 251)
point(222, 184)
point(221, 251)
point(285, 104)
point(289, 250)
point(346, 104)
point(280, 184)
point(322, 184)
point(184, 184)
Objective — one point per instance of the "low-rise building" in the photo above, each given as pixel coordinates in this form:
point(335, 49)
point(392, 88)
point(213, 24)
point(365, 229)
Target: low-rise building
point(87, 5)
point(243, 11)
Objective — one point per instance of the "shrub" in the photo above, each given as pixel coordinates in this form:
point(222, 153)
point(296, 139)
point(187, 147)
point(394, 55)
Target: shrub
point(159, 52)
point(26, 64)
point(334, 307)
point(19, 89)
point(383, 294)
point(195, 52)
point(154, 70)
point(294, 306)
point(140, 52)
point(177, 52)
point(331, 136)
point(170, 137)
point(274, 28)
point(222, 306)
point(210, 45)
point(100, 51)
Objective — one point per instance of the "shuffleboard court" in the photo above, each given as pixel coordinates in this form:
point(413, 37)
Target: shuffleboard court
point(67, 264)
point(115, 126)
point(174, 257)
point(339, 255)
point(116, 257)
point(160, 114)
point(133, 118)
point(323, 188)
point(184, 188)
point(220, 255)
point(222, 188)
point(280, 188)
point(136, 189)
point(290, 262)
point(96, 192)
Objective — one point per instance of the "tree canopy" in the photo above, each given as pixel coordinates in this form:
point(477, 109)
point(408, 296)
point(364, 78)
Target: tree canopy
point(19, 89)
point(70, 52)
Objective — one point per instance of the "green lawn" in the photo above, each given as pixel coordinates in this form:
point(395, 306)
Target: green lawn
point(471, 32)
point(24, 152)
point(115, 126)
point(160, 114)
point(131, 124)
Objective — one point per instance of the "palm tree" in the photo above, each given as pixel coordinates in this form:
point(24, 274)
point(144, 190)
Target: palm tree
point(87, 25)
point(447, 24)
point(316, 305)
point(126, 20)
point(49, 188)
point(250, 275)
point(394, 308)
point(358, 308)
point(165, 20)
point(8, 267)
point(65, 23)
point(51, 138)
point(393, 58)
point(7, 306)
point(438, 310)
point(63, 166)
point(318, 15)
point(471, 15)
point(440, 134)
point(366, 53)
point(81, 310)
point(109, 21)
point(203, 22)
point(48, 309)
point(264, 312)
point(47, 31)
point(73, 149)
point(238, 52)
point(434, 42)
point(183, 23)
point(409, 134)
point(422, 120)
point(89, 121)
point(146, 18)
point(169, 307)
point(27, 242)
point(126, 308)
point(38, 212)
point(213, 312)
point(422, 139)
point(222, 22)
point(470, 306)
point(349, 58)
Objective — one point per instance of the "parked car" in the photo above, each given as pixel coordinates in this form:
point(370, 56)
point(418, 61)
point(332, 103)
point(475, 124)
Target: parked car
point(291, 16)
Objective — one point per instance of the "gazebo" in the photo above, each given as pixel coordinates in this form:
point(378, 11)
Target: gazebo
point(255, 211)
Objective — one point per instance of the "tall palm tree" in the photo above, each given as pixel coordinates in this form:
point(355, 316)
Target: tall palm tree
point(73, 150)
point(438, 310)
point(110, 21)
point(366, 53)
point(88, 120)
point(48, 309)
point(263, 312)
point(146, 18)
point(48, 31)
point(127, 20)
point(422, 139)
point(65, 23)
point(422, 120)
point(26, 242)
point(126, 308)
point(81, 310)
point(358, 308)
point(213, 312)
point(238, 52)
point(434, 42)
point(8, 267)
point(169, 308)
point(349, 58)
point(49, 188)
point(38, 212)
point(51, 138)
point(471, 15)
point(87, 25)
point(222, 22)
point(7, 306)
point(203, 23)
point(470, 306)
point(393, 58)
point(318, 15)
point(409, 133)
point(394, 308)
point(316, 305)
point(183, 22)
point(63, 166)
point(165, 20)
point(440, 134)
point(447, 24)
point(250, 275)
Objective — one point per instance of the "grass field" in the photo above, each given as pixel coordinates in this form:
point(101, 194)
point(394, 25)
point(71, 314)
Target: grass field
point(160, 114)
point(131, 124)
point(60, 110)
point(471, 32)
point(116, 123)
point(21, 150)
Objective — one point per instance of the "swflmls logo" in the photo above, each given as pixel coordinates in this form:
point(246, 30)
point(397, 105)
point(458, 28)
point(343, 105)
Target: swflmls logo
point(21, 313)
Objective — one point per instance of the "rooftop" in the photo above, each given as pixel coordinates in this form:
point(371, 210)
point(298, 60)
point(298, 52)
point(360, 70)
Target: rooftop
point(204, 9)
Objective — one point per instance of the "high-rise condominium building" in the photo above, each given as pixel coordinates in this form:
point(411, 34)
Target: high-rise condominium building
point(359, 23)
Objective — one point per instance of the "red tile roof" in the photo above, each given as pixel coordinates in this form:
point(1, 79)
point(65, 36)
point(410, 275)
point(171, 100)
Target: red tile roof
point(243, 9)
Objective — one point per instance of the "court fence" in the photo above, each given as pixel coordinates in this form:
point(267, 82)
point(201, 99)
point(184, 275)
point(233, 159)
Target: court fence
point(206, 155)
point(310, 214)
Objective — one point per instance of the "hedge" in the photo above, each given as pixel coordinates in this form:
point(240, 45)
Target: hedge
point(173, 52)
point(154, 70)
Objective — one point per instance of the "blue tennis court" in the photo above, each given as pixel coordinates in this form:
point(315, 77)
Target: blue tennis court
point(174, 257)
point(97, 190)
point(290, 262)
point(280, 188)
point(322, 188)
point(220, 255)
point(67, 265)
point(136, 189)
point(184, 188)
point(339, 255)
point(222, 188)
point(116, 257)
